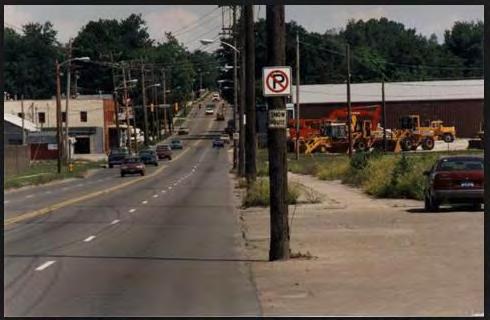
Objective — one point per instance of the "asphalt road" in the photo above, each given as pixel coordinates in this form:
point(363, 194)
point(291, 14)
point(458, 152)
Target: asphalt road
point(168, 245)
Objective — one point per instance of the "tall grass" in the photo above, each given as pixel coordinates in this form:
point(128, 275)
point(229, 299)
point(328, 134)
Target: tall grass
point(257, 194)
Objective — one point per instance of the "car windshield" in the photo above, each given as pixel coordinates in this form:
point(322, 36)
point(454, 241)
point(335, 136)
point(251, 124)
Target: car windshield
point(461, 165)
point(176, 141)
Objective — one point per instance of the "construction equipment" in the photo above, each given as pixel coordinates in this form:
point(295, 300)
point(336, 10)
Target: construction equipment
point(410, 136)
point(441, 132)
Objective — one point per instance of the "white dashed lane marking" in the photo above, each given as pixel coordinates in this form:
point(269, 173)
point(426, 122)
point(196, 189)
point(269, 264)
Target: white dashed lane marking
point(115, 221)
point(144, 202)
point(45, 265)
point(164, 191)
point(89, 239)
point(132, 210)
point(155, 196)
point(6, 201)
point(29, 196)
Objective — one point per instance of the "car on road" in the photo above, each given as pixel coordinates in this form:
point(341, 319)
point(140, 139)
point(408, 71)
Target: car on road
point(225, 138)
point(132, 165)
point(117, 156)
point(183, 131)
point(176, 144)
point(209, 110)
point(149, 156)
point(218, 143)
point(215, 97)
point(164, 151)
point(455, 180)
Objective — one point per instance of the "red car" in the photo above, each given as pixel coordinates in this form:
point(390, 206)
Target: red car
point(455, 179)
point(132, 165)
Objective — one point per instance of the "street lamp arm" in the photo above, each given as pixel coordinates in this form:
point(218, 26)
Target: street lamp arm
point(231, 46)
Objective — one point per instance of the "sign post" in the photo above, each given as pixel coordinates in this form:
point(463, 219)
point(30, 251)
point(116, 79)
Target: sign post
point(276, 81)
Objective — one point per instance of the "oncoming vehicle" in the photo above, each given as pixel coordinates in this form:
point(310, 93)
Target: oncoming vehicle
point(132, 165)
point(164, 151)
point(117, 156)
point(225, 138)
point(183, 131)
point(215, 97)
point(209, 109)
point(149, 156)
point(176, 144)
point(218, 143)
point(455, 179)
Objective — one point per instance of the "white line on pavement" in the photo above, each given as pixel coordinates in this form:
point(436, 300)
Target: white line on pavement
point(89, 239)
point(144, 202)
point(163, 191)
point(115, 221)
point(29, 196)
point(49, 191)
point(169, 188)
point(6, 201)
point(45, 265)
point(155, 196)
point(132, 210)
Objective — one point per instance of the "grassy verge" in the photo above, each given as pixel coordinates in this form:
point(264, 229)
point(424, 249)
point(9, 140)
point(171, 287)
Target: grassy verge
point(45, 171)
point(387, 175)
point(258, 193)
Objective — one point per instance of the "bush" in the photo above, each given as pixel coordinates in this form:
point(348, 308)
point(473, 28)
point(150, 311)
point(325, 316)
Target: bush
point(258, 194)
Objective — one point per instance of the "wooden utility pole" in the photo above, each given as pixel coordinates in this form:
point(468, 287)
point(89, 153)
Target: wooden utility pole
point(58, 116)
point(349, 108)
point(66, 150)
point(276, 54)
point(241, 108)
point(154, 103)
point(145, 112)
point(23, 116)
point(164, 101)
point(116, 106)
point(250, 129)
point(235, 88)
point(385, 146)
point(125, 97)
point(297, 96)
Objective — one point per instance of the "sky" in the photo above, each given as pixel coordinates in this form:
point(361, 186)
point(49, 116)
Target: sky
point(193, 22)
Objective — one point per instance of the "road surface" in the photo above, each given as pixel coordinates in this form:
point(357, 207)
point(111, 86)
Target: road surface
point(167, 245)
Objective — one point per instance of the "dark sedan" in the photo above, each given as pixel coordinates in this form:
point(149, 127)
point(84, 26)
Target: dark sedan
point(149, 157)
point(455, 179)
point(218, 143)
point(117, 156)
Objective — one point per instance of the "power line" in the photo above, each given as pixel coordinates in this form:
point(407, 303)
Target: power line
point(194, 22)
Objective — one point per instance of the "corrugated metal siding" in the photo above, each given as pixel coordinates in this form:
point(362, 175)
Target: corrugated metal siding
point(465, 115)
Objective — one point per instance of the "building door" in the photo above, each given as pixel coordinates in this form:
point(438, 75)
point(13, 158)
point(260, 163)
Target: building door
point(82, 145)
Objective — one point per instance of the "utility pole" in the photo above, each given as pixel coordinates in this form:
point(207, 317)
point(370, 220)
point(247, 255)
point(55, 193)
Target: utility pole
point(276, 54)
point(349, 109)
point(116, 106)
point(153, 133)
point(384, 113)
point(145, 112)
point(23, 116)
point(58, 116)
point(235, 88)
point(68, 87)
point(165, 124)
point(250, 140)
point(241, 108)
point(125, 97)
point(297, 96)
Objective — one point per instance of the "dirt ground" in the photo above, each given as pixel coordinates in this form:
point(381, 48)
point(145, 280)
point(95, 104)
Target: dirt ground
point(370, 257)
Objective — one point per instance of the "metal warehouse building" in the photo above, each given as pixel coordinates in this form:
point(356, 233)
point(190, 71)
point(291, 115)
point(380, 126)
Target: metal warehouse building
point(456, 102)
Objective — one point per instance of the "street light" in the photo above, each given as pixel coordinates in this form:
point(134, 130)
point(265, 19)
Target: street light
point(235, 98)
point(58, 106)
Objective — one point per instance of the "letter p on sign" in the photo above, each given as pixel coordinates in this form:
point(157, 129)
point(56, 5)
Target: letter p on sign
point(276, 81)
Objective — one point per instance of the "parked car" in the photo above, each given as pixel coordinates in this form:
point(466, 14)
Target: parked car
point(117, 156)
point(132, 165)
point(455, 179)
point(225, 138)
point(176, 144)
point(183, 131)
point(218, 143)
point(149, 156)
point(164, 151)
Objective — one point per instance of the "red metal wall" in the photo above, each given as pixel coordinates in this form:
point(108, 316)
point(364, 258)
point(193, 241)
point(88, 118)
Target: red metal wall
point(41, 152)
point(109, 118)
point(465, 115)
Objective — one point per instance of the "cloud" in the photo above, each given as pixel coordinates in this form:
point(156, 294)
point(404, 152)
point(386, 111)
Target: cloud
point(167, 20)
point(15, 16)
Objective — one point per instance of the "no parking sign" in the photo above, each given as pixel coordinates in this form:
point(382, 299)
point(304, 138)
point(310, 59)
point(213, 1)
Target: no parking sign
point(276, 81)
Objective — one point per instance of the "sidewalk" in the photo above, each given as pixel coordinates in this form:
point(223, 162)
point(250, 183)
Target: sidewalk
point(369, 257)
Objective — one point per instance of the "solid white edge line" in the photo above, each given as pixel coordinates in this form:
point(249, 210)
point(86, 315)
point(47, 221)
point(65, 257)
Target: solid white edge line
point(89, 239)
point(45, 265)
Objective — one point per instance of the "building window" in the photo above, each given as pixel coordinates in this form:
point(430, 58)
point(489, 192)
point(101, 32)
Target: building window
point(63, 116)
point(83, 116)
point(41, 117)
point(20, 115)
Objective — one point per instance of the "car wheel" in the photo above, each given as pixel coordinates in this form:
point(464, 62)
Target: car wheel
point(122, 174)
point(448, 138)
point(156, 164)
point(142, 173)
point(433, 204)
point(406, 144)
point(111, 166)
point(169, 158)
